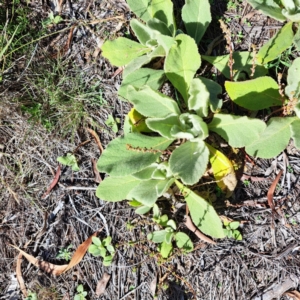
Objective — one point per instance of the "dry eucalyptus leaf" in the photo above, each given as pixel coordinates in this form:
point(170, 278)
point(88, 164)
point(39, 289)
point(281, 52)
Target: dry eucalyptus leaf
point(57, 269)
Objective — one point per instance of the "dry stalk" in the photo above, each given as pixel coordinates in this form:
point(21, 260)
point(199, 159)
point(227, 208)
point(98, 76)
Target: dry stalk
point(229, 47)
point(254, 52)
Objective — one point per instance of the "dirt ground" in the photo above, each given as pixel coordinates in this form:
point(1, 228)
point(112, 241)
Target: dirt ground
point(264, 265)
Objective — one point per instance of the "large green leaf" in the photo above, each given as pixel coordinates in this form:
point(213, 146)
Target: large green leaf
point(145, 192)
point(214, 90)
point(163, 125)
point(151, 37)
point(254, 94)
point(243, 63)
point(189, 161)
point(142, 8)
point(121, 51)
point(151, 103)
point(130, 154)
point(236, 130)
point(181, 64)
point(203, 93)
point(136, 64)
point(296, 39)
point(147, 10)
point(202, 212)
point(196, 17)
point(198, 97)
point(163, 11)
point(269, 8)
point(159, 26)
point(273, 139)
point(292, 89)
point(116, 188)
point(142, 32)
point(295, 132)
point(282, 40)
point(141, 77)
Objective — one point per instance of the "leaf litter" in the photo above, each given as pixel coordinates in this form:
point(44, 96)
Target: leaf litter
point(226, 270)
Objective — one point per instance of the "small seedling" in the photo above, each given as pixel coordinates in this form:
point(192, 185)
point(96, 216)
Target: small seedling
point(69, 160)
point(65, 253)
point(290, 169)
point(129, 226)
point(51, 20)
point(165, 237)
point(102, 248)
point(293, 222)
point(231, 230)
point(31, 296)
point(246, 182)
point(81, 293)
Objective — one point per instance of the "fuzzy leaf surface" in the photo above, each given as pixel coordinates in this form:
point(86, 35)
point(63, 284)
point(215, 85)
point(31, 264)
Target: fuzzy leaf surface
point(145, 192)
point(189, 161)
point(163, 125)
point(142, 32)
point(163, 11)
point(254, 94)
point(181, 64)
point(236, 130)
point(295, 132)
point(269, 8)
point(282, 40)
point(214, 90)
point(196, 17)
point(147, 10)
point(273, 139)
point(116, 188)
point(159, 26)
point(141, 77)
point(142, 8)
point(296, 39)
point(151, 103)
point(293, 80)
point(118, 160)
point(136, 64)
point(243, 62)
point(198, 97)
point(121, 51)
point(202, 213)
point(142, 210)
point(191, 126)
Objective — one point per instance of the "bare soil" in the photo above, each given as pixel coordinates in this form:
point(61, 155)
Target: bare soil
point(264, 265)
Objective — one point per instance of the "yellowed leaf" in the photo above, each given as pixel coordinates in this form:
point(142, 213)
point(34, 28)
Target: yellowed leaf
point(138, 121)
point(223, 170)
